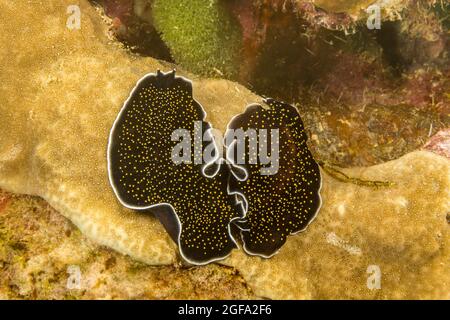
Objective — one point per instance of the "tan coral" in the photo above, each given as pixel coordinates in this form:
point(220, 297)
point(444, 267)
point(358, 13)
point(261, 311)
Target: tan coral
point(61, 90)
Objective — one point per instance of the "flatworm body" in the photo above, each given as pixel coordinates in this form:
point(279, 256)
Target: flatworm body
point(265, 194)
point(284, 203)
point(144, 175)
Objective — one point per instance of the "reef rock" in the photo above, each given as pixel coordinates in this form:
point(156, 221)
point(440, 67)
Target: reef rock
point(44, 256)
point(374, 94)
point(61, 91)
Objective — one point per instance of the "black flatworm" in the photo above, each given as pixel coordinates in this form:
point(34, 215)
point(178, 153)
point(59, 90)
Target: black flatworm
point(144, 176)
point(282, 202)
point(266, 194)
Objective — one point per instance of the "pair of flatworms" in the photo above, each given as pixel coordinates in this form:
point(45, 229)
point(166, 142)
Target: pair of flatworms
point(209, 215)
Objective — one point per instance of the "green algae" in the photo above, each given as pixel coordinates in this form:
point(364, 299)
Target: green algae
point(201, 35)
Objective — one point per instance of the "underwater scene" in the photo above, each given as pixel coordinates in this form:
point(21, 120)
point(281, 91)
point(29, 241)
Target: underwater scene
point(225, 150)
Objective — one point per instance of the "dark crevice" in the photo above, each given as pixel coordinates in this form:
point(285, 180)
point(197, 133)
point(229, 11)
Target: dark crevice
point(388, 38)
point(139, 36)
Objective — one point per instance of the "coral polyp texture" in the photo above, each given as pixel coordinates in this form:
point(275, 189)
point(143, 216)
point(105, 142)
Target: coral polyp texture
point(61, 92)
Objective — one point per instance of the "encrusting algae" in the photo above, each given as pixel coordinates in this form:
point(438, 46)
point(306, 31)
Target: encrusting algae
point(40, 251)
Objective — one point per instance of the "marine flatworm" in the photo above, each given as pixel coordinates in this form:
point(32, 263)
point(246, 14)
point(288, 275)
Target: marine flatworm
point(283, 203)
point(202, 205)
point(143, 175)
